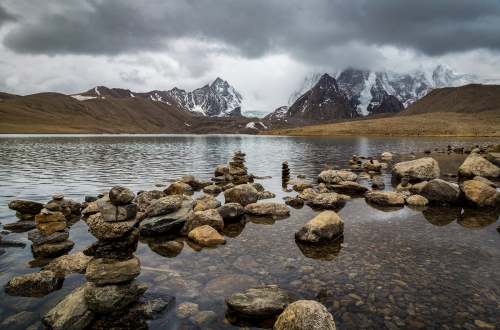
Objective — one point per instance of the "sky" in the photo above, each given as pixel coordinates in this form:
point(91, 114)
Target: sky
point(264, 48)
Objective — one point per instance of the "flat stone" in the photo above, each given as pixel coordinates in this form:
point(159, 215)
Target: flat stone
point(38, 238)
point(209, 217)
point(35, 285)
point(267, 209)
point(326, 226)
point(206, 236)
point(260, 301)
point(119, 195)
point(104, 230)
point(22, 225)
point(25, 206)
point(120, 249)
point(92, 208)
point(385, 198)
point(114, 297)
point(50, 217)
point(231, 211)
point(305, 314)
point(25, 216)
point(52, 249)
point(47, 228)
point(103, 271)
point(170, 223)
point(328, 201)
point(336, 176)
point(348, 187)
point(69, 264)
point(71, 313)
point(417, 200)
point(146, 198)
point(164, 205)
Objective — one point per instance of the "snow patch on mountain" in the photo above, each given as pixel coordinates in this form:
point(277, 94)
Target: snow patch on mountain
point(365, 96)
point(83, 98)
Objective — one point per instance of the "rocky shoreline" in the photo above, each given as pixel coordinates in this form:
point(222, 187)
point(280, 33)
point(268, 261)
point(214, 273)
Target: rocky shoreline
point(119, 218)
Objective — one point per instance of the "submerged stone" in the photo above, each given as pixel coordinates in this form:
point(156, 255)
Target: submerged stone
point(305, 314)
point(36, 285)
point(52, 249)
point(103, 271)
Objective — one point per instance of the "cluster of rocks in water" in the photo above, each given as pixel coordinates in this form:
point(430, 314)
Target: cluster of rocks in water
point(117, 219)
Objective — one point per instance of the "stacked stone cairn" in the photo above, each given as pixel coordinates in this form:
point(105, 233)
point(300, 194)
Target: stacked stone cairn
point(110, 274)
point(236, 171)
point(50, 238)
point(285, 171)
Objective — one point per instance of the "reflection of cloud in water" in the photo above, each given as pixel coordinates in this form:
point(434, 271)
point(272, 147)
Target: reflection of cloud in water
point(441, 215)
point(478, 219)
point(325, 251)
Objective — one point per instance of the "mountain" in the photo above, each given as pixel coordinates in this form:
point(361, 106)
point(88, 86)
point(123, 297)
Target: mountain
point(254, 113)
point(324, 102)
point(309, 82)
point(278, 114)
point(370, 92)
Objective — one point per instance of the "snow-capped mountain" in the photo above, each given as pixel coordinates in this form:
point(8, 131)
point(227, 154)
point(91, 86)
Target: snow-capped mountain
point(279, 113)
point(216, 99)
point(385, 91)
point(309, 82)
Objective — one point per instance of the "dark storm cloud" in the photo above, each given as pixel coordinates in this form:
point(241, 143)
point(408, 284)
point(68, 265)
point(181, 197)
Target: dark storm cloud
point(308, 30)
point(5, 16)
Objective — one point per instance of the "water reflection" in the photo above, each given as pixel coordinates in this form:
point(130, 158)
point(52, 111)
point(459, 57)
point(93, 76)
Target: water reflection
point(478, 219)
point(326, 251)
point(265, 220)
point(233, 229)
point(385, 208)
point(164, 246)
point(440, 215)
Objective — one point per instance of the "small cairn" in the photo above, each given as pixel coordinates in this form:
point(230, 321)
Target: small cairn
point(110, 274)
point(235, 172)
point(285, 171)
point(50, 238)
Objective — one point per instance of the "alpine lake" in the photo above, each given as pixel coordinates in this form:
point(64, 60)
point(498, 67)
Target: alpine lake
point(434, 268)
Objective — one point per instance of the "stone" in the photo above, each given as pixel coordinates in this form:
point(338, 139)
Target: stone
point(137, 315)
point(52, 249)
point(440, 192)
point(208, 200)
point(260, 301)
point(479, 194)
point(348, 187)
point(326, 226)
point(69, 264)
point(294, 202)
point(35, 285)
point(47, 228)
point(243, 194)
point(416, 188)
point(104, 230)
point(485, 181)
point(378, 184)
point(328, 201)
point(92, 208)
point(300, 186)
point(221, 170)
point(212, 189)
point(203, 318)
point(163, 206)
point(103, 271)
point(25, 216)
point(267, 209)
point(301, 176)
point(228, 284)
point(111, 212)
point(74, 206)
point(209, 217)
point(147, 198)
point(24, 206)
point(336, 176)
point(372, 165)
point(38, 238)
point(57, 197)
point(231, 211)
point(494, 158)
point(90, 199)
point(22, 225)
point(186, 309)
point(50, 217)
point(417, 200)
point(120, 195)
point(19, 321)
point(305, 314)
point(386, 155)
point(170, 223)
point(206, 236)
point(175, 188)
point(71, 313)
point(114, 297)
point(385, 198)
point(423, 169)
point(476, 165)
point(258, 186)
point(201, 207)
point(308, 194)
point(265, 195)
point(237, 171)
point(51, 206)
point(119, 249)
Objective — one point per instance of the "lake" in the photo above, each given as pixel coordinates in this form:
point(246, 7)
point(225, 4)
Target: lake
point(435, 269)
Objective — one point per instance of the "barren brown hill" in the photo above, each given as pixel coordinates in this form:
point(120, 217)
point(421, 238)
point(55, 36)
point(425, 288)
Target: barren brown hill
point(7, 96)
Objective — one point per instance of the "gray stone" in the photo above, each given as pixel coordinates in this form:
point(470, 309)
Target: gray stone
point(231, 211)
point(92, 208)
point(120, 249)
point(328, 201)
point(146, 198)
point(103, 271)
point(209, 217)
point(440, 192)
point(308, 194)
point(165, 224)
point(419, 169)
point(305, 314)
point(104, 230)
point(336, 176)
point(348, 187)
point(243, 194)
point(119, 195)
point(326, 226)
point(267, 209)
point(35, 285)
point(22, 225)
point(476, 165)
point(112, 298)
point(71, 313)
point(378, 184)
point(38, 238)
point(212, 189)
point(52, 249)
point(260, 301)
point(494, 158)
point(164, 205)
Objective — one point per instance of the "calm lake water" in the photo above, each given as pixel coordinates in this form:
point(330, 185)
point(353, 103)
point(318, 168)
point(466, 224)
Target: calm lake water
point(436, 269)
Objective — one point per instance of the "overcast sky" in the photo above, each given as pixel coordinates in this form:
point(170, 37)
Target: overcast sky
point(263, 48)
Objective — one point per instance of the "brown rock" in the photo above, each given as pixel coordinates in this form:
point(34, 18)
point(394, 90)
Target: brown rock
point(174, 189)
point(50, 217)
point(104, 230)
point(47, 228)
point(206, 236)
point(120, 195)
point(326, 226)
point(267, 209)
point(69, 264)
point(385, 198)
point(103, 271)
point(52, 249)
point(305, 314)
point(209, 217)
point(479, 194)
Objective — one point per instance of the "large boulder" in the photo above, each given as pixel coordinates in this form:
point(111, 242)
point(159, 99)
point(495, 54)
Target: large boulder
point(305, 314)
point(103, 271)
point(231, 211)
point(169, 223)
point(104, 230)
point(119, 195)
point(479, 194)
point(120, 249)
point(440, 192)
point(267, 209)
point(260, 301)
point(68, 264)
point(308, 194)
point(243, 194)
point(336, 176)
point(494, 158)
point(71, 313)
point(328, 201)
point(112, 298)
point(416, 188)
point(174, 189)
point(325, 227)
point(206, 236)
point(24, 206)
point(385, 198)
point(419, 169)
point(209, 217)
point(476, 165)
point(35, 285)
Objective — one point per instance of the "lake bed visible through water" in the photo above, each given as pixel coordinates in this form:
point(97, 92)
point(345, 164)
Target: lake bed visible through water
point(431, 269)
